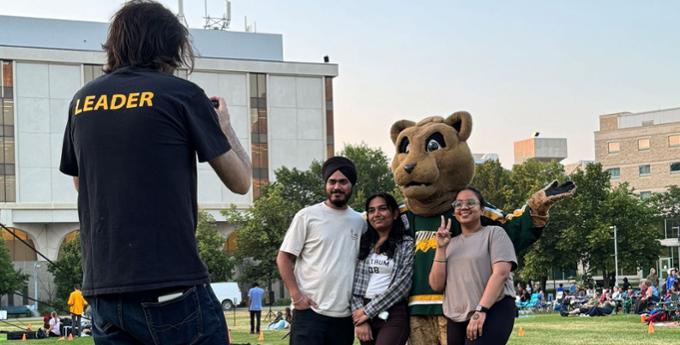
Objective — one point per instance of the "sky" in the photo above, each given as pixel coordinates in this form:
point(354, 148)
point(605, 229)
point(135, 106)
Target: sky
point(517, 66)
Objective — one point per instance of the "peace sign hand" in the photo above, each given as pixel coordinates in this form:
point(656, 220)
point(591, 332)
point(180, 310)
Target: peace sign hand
point(444, 233)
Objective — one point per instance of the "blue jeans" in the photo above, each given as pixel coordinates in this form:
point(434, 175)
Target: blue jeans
point(195, 317)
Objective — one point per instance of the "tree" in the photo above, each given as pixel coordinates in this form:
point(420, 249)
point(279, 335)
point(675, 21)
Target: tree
point(637, 232)
point(259, 233)
point(67, 271)
point(668, 202)
point(373, 173)
point(524, 180)
point(494, 182)
point(11, 280)
point(303, 188)
point(580, 229)
point(529, 177)
point(667, 208)
point(211, 248)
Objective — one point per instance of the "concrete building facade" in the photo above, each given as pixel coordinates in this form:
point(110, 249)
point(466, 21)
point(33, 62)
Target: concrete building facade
point(281, 111)
point(542, 149)
point(642, 149)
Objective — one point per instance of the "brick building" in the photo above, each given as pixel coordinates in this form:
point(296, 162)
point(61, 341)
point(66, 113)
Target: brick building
point(642, 149)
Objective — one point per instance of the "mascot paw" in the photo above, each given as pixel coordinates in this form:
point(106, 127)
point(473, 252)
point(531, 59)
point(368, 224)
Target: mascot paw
point(541, 201)
point(560, 191)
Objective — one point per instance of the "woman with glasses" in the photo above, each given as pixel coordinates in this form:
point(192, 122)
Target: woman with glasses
point(473, 269)
point(382, 278)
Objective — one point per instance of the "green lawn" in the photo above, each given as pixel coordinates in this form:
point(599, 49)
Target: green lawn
point(543, 329)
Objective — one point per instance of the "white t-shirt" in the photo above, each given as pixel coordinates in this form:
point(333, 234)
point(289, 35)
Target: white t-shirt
point(326, 243)
point(55, 324)
point(381, 268)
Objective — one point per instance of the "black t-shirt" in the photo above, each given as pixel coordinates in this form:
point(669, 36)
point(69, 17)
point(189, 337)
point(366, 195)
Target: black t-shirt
point(132, 137)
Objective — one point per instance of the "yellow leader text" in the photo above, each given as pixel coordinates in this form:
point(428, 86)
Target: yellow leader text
point(114, 102)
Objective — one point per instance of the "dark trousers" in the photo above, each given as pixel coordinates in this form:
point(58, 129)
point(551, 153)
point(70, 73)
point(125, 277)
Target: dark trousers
point(310, 328)
point(496, 330)
point(76, 330)
point(255, 314)
point(195, 317)
point(393, 331)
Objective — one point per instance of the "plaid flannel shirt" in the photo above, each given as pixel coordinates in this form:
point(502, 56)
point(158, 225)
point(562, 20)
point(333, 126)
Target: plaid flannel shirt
point(400, 281)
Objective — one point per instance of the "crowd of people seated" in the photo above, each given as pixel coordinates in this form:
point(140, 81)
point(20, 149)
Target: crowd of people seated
point(646, 298)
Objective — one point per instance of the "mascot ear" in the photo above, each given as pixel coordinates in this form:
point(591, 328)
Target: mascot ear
point(399, 126)
point(461, 121)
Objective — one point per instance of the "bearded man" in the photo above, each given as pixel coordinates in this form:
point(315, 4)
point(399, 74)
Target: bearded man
point(317, 258)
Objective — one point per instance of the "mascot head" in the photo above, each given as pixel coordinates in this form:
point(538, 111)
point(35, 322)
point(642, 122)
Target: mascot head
point(433, 161)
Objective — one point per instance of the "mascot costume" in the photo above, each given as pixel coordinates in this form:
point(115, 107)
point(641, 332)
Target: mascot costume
point(432, 163)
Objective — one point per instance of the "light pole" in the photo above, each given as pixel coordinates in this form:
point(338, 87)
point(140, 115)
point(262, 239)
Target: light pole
point(36, 265)
point(616, 258)
point(677, 228)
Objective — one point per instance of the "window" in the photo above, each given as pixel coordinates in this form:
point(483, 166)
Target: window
point(7, 159)
point(645, 170)
point(643, 144)
point(91, 72)
point(613, 147)
point(675, 167)
point(614, 173)
point(674, 140)
point(258, 131)
point(645, 195)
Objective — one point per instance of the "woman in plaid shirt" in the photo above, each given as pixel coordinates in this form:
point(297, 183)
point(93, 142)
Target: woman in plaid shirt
point(382, 278)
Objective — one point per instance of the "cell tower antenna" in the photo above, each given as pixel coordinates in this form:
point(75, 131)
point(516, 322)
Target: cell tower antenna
point(218, 23)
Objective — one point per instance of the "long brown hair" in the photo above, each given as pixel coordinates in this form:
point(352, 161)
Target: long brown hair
point(370, 237)
point(144, 33)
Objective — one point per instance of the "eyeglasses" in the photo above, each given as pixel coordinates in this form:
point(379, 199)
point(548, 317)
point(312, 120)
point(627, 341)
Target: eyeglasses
point(463, 203)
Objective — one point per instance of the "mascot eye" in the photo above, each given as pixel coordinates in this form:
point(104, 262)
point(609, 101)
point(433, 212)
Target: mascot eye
point(404, 145)
point(435, 142)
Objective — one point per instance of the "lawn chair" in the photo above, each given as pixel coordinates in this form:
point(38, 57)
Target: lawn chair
point(532, 304)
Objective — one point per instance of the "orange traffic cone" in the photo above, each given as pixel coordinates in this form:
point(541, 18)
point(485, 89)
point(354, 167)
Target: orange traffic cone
point(521, 331)
point(23, 337)
point(642, 318)
point(261, 337)
point(650, 328)
point(70, 337)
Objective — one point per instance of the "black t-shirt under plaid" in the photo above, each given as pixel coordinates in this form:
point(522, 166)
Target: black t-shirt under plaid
point(132, 138)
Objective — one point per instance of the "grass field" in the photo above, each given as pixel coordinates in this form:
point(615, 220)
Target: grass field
point(541, 329)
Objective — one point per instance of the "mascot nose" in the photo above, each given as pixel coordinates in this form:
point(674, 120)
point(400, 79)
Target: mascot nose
point(409, 167)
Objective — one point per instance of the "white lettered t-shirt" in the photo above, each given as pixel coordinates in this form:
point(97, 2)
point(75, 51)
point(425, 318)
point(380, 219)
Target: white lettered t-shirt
point(381, 268)
point(326, 243)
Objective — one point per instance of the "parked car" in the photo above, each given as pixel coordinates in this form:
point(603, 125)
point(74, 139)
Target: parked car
point(228, 293)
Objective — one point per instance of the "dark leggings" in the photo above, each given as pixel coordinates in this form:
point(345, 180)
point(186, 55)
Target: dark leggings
point(394, 331)
point(496, 330)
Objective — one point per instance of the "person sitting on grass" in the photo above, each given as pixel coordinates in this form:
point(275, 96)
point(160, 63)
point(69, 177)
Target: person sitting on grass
point(648, 298)
point(280, 321)
point(586, 307)
point(604, 307)
point(54, 329)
